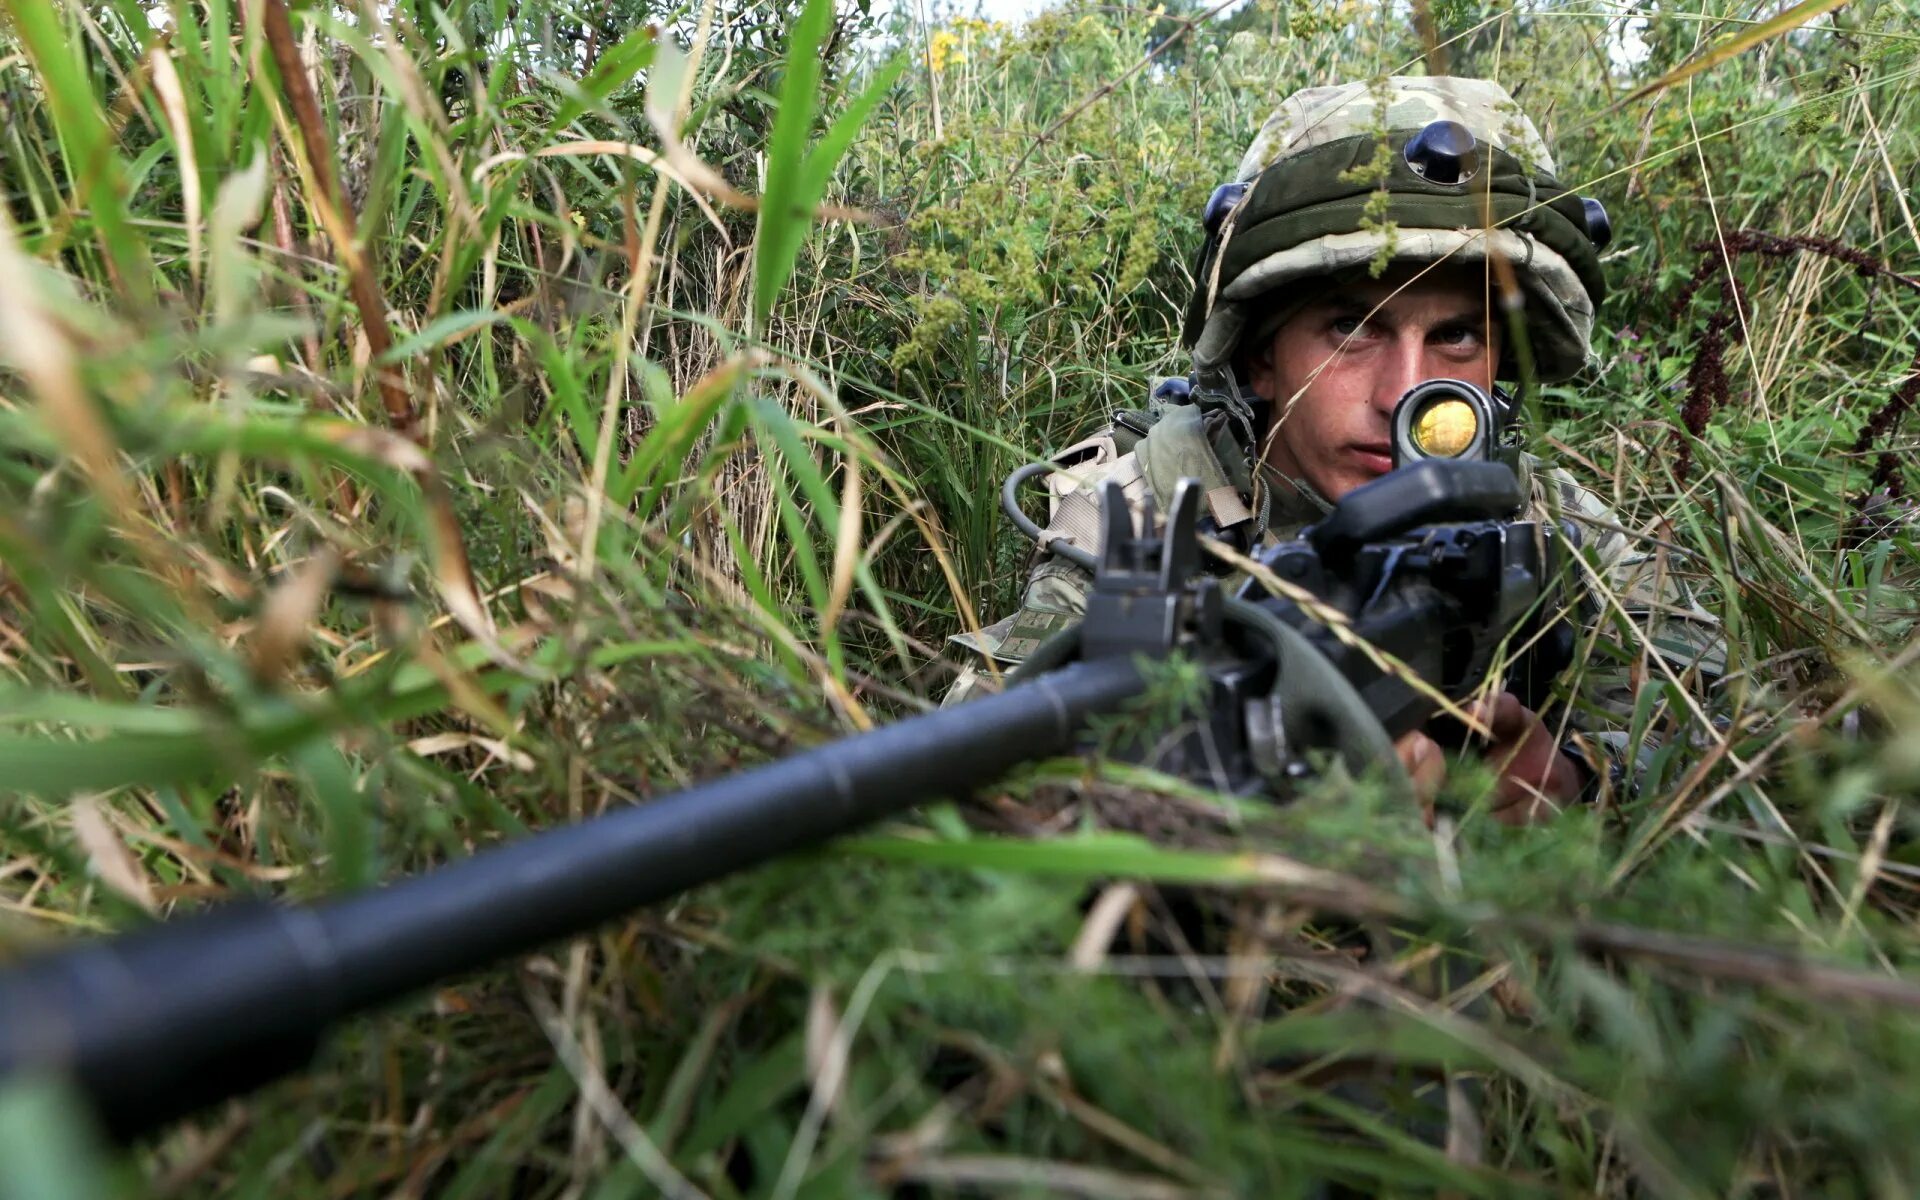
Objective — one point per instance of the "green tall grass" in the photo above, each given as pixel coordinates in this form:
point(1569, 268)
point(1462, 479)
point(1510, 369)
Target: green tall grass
point(428, 422)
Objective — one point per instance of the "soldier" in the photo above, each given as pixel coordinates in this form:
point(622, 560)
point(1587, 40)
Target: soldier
point(1316, 308)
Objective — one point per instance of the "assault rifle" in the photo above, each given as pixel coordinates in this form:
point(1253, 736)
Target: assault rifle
point(1427, 563)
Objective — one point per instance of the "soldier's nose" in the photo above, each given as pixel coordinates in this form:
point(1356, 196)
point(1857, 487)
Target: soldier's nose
point(1402, 370)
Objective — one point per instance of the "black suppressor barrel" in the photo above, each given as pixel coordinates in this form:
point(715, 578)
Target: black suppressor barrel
point(154, 1025)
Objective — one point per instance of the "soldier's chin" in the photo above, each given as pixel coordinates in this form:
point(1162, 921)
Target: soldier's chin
point(1347, 480)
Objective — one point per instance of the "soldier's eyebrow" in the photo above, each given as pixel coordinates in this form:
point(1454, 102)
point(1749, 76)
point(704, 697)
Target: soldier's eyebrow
point(1342, 304)
point(1472, 314)
point(1348, 304)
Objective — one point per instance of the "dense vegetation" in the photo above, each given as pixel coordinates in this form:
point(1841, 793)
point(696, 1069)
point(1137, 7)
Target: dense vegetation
point(424, 422)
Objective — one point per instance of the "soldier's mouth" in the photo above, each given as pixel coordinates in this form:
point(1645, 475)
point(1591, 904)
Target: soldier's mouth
point(1376, 457)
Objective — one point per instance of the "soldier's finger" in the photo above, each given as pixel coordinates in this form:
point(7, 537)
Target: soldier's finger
point(1504, 716)
point(1425, 762)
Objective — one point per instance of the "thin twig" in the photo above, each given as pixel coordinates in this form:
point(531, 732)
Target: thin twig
point(599, 1096)
point(330, 203)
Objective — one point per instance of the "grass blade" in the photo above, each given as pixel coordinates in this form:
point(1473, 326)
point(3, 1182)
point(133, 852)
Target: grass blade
point(1787, 21)
point(785, 209)
point(94, 163)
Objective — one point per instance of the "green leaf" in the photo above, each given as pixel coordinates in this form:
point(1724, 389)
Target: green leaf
point(828, 151)
point(489, 1169)
point(49, 1149)
point(756, 1090)
point(61, 767)
point(349, 820)
point(210, 749)
point(94, 165)
point(1084, 857)
point(1386, 1037)
point(23, 706)
point(616, 68)
point(666, 445)
point(785, 209)
point(1746, 39)
point(443, 329)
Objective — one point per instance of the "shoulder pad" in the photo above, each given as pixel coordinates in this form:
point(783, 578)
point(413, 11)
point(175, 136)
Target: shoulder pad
point(1098, 450)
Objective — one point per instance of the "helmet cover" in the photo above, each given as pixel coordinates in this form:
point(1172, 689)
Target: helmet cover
point(1312, 172)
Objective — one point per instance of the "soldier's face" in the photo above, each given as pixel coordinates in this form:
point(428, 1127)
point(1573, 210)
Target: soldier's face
point(1335, 369)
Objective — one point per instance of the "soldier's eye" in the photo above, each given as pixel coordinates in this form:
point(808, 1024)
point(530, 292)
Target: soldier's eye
point(1348, 326)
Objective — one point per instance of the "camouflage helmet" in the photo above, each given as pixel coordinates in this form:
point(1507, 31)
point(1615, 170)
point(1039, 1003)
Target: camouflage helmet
point(1457, 151)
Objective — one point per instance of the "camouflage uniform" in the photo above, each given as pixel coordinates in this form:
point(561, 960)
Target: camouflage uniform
point(1299, 221)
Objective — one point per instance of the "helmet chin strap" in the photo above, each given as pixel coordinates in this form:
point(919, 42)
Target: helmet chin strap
point(1306, 491)
point(1258, 413)
point(1250, 415)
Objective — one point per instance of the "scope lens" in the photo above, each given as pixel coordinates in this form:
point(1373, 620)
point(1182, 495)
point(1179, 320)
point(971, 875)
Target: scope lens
point(1445, 428)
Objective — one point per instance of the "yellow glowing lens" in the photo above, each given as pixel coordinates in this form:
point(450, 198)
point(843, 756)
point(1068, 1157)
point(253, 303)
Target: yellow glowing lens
point(1445, 428)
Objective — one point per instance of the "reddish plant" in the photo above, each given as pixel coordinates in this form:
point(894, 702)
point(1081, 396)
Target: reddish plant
point(1707, 388)
point(1886, 470)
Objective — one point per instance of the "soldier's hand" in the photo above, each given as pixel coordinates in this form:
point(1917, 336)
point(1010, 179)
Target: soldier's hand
point(1536, 780)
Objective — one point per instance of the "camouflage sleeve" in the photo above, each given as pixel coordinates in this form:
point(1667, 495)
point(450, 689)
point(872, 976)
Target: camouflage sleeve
point(1642, 625)
point(1056, 591)
point(1055, 598)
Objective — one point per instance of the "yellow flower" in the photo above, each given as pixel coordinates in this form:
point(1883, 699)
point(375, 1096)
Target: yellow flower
point(943, 49)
